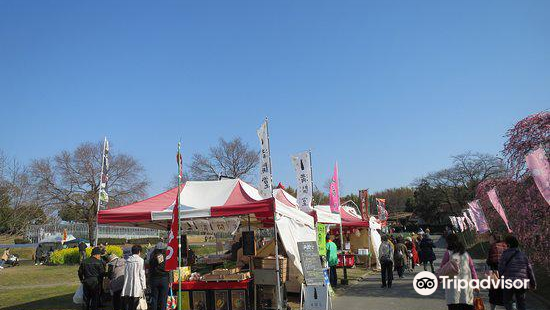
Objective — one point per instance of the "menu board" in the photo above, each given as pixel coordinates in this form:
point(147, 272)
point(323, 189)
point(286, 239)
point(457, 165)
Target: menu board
point(311, 263)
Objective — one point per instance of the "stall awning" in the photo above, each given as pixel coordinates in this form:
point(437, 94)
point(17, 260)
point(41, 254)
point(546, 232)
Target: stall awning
point(205, 199)
point(348, 217)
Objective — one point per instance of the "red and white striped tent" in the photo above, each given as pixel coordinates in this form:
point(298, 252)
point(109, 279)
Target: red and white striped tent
point(206, 199)
point(223, 202)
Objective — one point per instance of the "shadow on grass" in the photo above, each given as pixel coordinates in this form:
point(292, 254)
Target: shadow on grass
point(61, 302)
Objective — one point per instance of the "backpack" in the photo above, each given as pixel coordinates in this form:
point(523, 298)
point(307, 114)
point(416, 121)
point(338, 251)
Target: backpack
point(386, 250)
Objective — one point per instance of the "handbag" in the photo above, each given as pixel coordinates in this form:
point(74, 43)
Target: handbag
point(478, 303)
point(450, 268)
point(78, 297)
point(142, 305)
point(171, 302)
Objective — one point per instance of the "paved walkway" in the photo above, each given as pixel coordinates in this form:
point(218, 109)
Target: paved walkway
point(367, 294)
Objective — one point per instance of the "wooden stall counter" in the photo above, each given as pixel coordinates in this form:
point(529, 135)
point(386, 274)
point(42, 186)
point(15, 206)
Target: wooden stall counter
point(215, 295)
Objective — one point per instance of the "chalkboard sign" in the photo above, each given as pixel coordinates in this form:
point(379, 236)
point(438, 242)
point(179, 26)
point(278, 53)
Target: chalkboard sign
point(311, 264)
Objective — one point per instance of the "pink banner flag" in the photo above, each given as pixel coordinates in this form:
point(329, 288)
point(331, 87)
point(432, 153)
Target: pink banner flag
point(469, 221)
point(460, 221)
point(496, 204)
point(334, 195)
point(540, 169)
point(476, 213)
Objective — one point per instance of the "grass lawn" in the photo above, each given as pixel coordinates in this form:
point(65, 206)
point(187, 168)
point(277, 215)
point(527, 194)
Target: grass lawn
point(38, 287)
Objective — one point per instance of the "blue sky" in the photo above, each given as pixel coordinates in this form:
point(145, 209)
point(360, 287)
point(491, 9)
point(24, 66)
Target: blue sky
point(389, 89)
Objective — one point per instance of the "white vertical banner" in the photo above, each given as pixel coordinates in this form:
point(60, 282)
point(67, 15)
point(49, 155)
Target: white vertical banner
point(302, 166)
point(265, 187)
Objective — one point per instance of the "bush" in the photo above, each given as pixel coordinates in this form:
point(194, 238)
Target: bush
point(21, 241)
point(71, 255)
point(65, 256)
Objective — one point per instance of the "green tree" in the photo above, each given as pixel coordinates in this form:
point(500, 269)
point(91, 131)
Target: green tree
point(396, 198)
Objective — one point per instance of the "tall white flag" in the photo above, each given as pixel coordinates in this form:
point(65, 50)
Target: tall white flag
point(302, 166)
point(266, 183)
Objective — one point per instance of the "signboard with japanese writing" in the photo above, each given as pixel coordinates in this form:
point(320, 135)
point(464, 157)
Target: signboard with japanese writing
point(322, 238)
point(265, 188)
point(302, 166)
point(311, 263)
point(315, 297)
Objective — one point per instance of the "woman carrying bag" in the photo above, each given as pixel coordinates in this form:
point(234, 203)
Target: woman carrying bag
point(456, 262)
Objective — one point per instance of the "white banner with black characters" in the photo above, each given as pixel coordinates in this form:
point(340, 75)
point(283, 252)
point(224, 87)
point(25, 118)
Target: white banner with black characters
point(227, 225)
point(302, 166)
point(265, 188)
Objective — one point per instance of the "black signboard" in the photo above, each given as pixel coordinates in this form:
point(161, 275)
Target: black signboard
point(311, 264)
point(249, 246)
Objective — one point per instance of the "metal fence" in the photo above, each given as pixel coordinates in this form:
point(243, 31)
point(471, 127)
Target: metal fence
point(80, 230)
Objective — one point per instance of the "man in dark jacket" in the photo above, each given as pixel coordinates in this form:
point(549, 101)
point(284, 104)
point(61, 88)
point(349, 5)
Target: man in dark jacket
point(159, 278)
point(91, 274)
point(515, 265)
point(427, 254)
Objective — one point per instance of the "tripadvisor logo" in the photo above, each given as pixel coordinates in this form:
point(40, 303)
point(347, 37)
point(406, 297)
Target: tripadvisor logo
point(425, 283)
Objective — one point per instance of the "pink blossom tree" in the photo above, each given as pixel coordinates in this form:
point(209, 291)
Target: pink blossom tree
point(526, 210)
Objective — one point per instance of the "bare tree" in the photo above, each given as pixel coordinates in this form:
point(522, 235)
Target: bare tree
point(458, 183)
point(233, 159)
point(69, 182)
point(19, 205)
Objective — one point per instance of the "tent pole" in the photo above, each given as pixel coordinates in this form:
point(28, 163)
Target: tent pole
point(278, 271)
point(344, 281)
point(179, 229)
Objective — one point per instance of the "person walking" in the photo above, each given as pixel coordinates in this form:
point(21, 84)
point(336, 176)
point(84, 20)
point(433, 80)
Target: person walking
point(495, 252)
point(116, 267)
point(515, 265)
point(332, 259)
point(90, 273)
point(385, 253)
point(400, 256)
point(82, 250)
point(427, 254)
point(459, 298)
point(158, 277)
point(134, 279)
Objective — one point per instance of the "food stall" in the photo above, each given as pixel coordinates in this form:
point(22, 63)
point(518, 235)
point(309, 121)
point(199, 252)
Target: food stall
point(354, 229)
point(229, 206)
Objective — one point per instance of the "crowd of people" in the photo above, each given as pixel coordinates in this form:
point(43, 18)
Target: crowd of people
point(124, 278)
point(400, 254)
point(504, 259)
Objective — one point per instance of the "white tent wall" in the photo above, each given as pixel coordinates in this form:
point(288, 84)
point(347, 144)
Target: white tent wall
point(375, 238)
point(291, 232)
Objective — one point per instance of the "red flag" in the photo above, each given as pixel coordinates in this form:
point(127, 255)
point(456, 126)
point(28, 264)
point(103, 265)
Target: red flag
point(172, 248)
point(382, 212)
point(364, 197)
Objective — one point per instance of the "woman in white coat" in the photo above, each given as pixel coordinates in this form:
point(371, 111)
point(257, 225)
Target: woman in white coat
point(462, 299)
point(134, 279)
